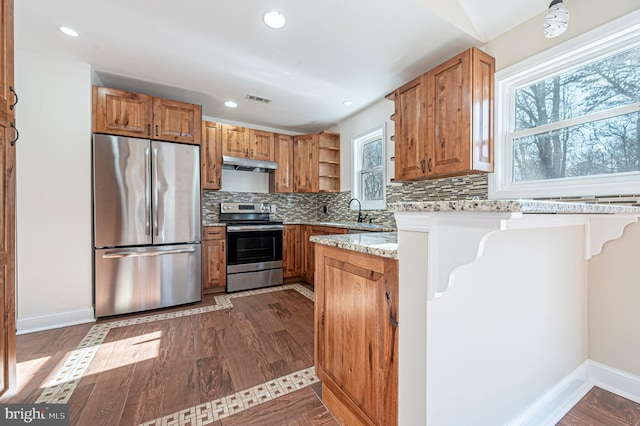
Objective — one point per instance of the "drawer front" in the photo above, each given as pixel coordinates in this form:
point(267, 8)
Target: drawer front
point(214, 232)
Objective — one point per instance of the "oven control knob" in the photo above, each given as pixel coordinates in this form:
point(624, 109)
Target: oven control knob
point(264, 208)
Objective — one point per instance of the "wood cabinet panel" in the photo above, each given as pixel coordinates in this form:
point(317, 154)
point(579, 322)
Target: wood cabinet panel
point(214, 259)
point(235, 141)
point(483, 111)
point(7, 94)
point(410, 128)
point(7, 253)
point(305, 152)
point(175, 121)
point(450, 114)
point(356, 325)
point(261, 145)
point(211, 156)
point(281, 180)
point(123, 113)
point(308, 248)
point(292, 251)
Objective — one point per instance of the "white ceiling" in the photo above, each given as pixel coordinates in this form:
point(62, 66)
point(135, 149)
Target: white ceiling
point(209, 51)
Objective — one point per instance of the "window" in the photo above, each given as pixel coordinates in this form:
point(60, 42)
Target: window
point(570, 118)
point(368, 184)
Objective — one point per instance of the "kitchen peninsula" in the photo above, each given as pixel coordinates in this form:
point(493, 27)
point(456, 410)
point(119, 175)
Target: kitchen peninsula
point(491, 309)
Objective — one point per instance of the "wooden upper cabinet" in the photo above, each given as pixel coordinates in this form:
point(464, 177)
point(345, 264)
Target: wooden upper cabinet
point(176, 121)
point(123, 113)
point(235, 141)
point(211, 156)
point(410, 130)
point(452, 134)
point(305, 159)
point(118, 112)
point(8, 96)
point(281, 180)
point(261, 145)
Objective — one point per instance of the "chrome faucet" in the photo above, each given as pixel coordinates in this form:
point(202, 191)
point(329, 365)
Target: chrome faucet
point(360, 217)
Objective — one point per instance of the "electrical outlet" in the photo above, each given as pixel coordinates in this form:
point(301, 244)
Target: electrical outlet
point(273, 208)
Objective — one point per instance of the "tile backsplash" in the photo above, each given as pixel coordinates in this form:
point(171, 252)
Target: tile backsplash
point(310, 207)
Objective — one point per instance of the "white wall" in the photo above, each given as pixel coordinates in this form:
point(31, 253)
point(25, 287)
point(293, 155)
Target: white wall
point(509, 330)
point(54, 248)
point(614, 303)
point(527, 39)
point(358, 124)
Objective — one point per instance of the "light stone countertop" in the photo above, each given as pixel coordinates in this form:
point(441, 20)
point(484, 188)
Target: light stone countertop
point(506, 206)
point(383, 244)
point(372, 227)
point(205, 224)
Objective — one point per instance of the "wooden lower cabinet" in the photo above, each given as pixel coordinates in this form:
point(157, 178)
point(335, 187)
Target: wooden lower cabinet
point(292, 251)
point(356, 335)
point(7, 252)
point(214, 259)
point(308, 252)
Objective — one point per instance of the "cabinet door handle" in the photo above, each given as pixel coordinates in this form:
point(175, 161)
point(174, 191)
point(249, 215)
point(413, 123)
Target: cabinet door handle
point(156, 130)
point(13, 126)
point(223, 246)
point(429, 165)
point(251, 152)
point(15, 98)
point(422, 165)
point(148, 129)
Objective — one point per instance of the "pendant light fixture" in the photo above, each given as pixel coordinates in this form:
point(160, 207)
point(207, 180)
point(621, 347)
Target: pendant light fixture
point(556, 20)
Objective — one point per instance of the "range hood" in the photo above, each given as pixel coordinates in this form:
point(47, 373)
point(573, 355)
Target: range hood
point(248, 164)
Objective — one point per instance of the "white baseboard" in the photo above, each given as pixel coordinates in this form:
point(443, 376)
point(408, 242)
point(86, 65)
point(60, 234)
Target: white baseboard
point(57, 320)
point(555, 403)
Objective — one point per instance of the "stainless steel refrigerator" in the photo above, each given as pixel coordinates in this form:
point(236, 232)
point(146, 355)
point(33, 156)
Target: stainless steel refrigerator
point(146, 220)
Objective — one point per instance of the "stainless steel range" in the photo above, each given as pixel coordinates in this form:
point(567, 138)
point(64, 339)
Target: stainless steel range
point(254, 246)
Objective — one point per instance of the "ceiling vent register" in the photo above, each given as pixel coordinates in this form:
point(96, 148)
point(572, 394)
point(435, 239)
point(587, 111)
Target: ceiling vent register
point(257, 98)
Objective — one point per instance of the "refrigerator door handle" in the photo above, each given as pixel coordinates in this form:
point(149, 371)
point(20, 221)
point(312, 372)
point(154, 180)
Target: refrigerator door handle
point(156, 194)
point(128, 253)
point(147, 213)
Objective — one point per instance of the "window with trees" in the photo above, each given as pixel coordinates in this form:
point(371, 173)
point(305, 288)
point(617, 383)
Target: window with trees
point(369, 178)
point(571, 121)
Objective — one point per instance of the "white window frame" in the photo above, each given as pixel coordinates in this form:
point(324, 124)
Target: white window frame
point(609, 39)
point(356, 154)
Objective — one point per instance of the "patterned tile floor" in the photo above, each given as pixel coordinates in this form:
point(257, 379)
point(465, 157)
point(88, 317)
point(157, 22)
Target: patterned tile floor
point(66, 379)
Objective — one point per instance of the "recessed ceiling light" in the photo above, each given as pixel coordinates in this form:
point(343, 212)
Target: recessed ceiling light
point(230, 104)
point(347, 103)
point(274, 19)
point(68, 31)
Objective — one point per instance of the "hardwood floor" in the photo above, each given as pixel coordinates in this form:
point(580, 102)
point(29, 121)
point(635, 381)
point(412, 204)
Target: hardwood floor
point(246, 362)
point(602, 408)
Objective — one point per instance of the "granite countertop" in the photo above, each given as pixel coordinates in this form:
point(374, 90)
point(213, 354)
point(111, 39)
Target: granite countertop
point(373, 227)
point(383, 244)
point(506, 206)
point(205, 223)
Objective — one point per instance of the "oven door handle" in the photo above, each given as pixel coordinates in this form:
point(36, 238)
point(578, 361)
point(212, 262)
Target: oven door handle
point(249, 228)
